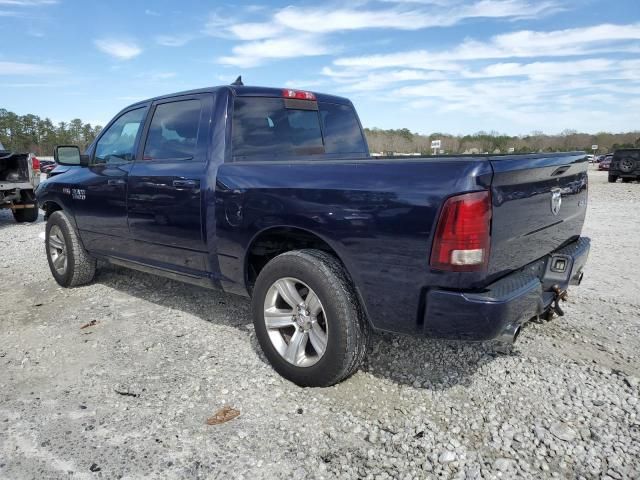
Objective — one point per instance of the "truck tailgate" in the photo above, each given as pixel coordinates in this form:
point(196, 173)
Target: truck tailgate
point(539, 203)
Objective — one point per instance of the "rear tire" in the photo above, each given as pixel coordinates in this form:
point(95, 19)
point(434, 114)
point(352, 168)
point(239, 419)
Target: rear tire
point(613, 178)
point(23, 215)
point(69, 262)
point(627, 180)
point(346, 332)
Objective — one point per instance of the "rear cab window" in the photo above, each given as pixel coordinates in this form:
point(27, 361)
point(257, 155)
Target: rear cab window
point(266, 129)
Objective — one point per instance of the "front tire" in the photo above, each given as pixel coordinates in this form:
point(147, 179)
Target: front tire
point(308, 319)
point(612, 178)
point(69, 262)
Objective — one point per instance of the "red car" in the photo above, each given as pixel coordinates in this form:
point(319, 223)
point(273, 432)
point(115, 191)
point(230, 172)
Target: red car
point(46, 169)
point(605, 163)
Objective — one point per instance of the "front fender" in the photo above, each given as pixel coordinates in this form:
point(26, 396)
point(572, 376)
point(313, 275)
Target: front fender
point(51, 197)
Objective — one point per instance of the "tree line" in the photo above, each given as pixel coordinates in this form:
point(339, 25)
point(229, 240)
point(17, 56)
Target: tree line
point(405, 141)
point(30, 133)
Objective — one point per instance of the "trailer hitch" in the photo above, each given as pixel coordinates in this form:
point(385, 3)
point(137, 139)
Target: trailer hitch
point(559, 296)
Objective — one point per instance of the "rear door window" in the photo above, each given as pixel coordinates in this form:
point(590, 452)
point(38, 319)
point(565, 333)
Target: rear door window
point(173, 133)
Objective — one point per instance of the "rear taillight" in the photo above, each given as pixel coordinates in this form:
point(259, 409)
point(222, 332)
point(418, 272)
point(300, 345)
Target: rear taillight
point(463, 234)
point(35, 163)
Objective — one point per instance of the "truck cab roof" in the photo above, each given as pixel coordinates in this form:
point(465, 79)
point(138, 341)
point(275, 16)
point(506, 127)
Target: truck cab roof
point(244, 91)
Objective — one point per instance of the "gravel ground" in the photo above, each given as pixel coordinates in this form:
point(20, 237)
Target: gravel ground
point(129, 396)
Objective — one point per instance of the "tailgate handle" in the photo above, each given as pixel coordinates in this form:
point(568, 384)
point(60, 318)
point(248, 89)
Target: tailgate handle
point(560, 170)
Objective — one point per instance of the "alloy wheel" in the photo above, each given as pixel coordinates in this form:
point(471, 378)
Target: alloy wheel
point(57, 250)
point(296, 322)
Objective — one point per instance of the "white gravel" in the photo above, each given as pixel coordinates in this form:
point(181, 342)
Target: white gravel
point(564, 404)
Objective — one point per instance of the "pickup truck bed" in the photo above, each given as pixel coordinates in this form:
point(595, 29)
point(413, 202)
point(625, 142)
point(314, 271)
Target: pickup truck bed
point(381, 225)
point(271, 194)
point(17, 180)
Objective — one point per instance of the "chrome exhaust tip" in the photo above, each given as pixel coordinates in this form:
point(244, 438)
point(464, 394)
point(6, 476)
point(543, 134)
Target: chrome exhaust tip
point(508, 337)
point(577, 279)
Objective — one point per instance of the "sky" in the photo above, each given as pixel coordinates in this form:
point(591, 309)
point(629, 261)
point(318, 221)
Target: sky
point(452, 66)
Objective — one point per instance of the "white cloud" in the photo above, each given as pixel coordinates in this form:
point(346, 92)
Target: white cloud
point(251, 54)
point(402, 18)
point(521, 79)
point(255, 31)
point(16, 68)
point(544, 69)
point(304, 84)
point(354, 81)
point(156, 76)
point(315, 23)
point(178, 40)
point(549, 101)
point(120, 49)
point(523, 44)
point(27, 3)
point(218, 26)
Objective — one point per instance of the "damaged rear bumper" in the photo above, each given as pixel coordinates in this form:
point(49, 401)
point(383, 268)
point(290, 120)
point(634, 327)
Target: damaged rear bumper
point(508, 302)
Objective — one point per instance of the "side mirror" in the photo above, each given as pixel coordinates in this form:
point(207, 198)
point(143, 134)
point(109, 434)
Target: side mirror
point(70, 155)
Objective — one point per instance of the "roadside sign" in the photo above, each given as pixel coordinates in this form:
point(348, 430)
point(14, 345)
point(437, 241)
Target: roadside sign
point(594, 147)
point(511, 149)
point(436, 145)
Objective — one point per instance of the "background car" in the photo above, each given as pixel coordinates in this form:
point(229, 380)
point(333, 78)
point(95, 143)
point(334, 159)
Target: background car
point(46, 165)
point(625, 165)
point(605, 163)
point(46, 168)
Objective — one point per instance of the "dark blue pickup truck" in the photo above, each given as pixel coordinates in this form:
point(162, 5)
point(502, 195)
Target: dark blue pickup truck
point(272, 194)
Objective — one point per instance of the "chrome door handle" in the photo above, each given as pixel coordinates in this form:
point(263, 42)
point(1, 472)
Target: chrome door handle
point(185, 183)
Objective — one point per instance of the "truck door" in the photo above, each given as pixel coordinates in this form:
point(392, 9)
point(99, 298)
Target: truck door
point(98, 192)
point(164, 200)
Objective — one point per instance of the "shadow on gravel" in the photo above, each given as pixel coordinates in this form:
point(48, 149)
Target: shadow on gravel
point(416, 361)
point(426, 363)
point(212, 306)
point(7, 220)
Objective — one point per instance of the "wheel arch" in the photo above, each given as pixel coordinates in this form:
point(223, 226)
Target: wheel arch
point(286, 238)
point(275, 240)
point(50, 206)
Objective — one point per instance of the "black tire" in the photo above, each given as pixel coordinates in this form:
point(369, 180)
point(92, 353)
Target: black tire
point(80, 267)
point(626, 165)
point(348, 331)
point(23, 215)
point(627, 180)
point(613, 178)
